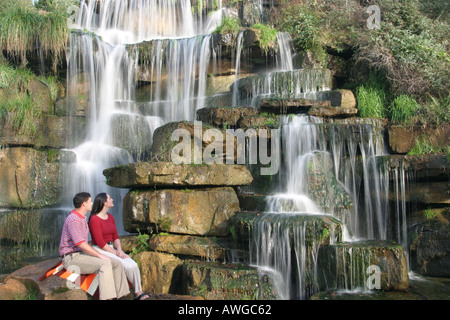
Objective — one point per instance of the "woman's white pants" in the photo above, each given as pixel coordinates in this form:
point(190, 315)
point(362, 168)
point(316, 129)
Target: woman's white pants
point(131, 268)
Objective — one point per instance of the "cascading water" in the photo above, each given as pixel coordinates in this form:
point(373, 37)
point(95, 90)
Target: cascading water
point(298, 157)
point(120, 129)
point(349, 155)
point(108, 59)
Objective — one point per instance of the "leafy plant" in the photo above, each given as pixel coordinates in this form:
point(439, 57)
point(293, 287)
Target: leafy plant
point(423, 146)
point(142, 243)
point(24, 28)
point(302, 24)
point(403, 109)
point(228, 25)
point(430, 214)
point(410, 49)
point(268, 36)
point(371, 97)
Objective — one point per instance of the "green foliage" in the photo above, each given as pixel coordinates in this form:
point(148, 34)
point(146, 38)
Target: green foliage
point(404, 109)
point(436, 111)
point(410, 49)
point(423, 146)
point(228, 25)
point(18, 106)
point(24, 28)
point(371, 98)
point(268, 36)
point(142, 243)
point(430, 214)
point(303, 24)
point(22, 111)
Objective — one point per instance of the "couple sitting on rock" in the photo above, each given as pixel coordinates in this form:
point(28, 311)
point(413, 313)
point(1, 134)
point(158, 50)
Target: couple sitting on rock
point(105, 257)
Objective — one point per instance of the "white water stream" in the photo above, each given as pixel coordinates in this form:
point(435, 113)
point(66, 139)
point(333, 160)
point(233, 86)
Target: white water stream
point(178, 63)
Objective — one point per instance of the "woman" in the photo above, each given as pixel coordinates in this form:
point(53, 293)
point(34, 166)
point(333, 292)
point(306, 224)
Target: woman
point(105, 240)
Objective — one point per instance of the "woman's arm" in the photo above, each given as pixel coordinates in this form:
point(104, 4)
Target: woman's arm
point(118, 247)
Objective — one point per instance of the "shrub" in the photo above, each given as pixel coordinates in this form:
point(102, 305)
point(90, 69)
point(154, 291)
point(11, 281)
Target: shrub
point(228, 25)
point(410, 49)
point(404, 109)
point(424, 146)
point(303, 24)
point(267, 37)
point(24, 28)
point(371, 98)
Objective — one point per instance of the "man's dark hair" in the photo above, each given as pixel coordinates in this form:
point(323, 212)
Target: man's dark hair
point(80, 198)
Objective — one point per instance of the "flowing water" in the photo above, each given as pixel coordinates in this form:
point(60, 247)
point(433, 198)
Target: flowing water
point(351, 156)
point(104, 63)
point(119, 129)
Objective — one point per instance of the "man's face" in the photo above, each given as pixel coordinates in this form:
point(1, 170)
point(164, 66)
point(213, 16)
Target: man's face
point(88, 204)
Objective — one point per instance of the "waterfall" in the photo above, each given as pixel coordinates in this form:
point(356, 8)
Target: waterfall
point(106, 59)
point(104, 63)
point(300, 144)
point(284, 57)
point(319, 159)
point(300, 83)
point(237, 66)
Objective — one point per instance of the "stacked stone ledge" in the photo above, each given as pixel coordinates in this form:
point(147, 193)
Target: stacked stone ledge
point(188, 209)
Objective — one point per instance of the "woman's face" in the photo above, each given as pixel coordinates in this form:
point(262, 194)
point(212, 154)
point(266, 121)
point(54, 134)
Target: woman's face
point(109, 201)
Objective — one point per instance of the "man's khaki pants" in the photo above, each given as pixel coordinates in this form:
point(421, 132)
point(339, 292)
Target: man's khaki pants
point(112, 279)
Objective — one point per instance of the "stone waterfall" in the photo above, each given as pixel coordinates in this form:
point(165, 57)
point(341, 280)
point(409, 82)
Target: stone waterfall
point(171, 56)
point(333, 218)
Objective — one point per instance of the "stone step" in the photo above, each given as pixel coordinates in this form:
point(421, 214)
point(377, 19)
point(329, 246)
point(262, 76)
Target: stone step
point(207, 248)
point(328, 104)
point(169, 174)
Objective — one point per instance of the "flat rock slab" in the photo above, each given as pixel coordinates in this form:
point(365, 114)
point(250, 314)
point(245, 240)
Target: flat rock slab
point(224, 116)
point(293, 105)
point(209, 248)
point(168, 174)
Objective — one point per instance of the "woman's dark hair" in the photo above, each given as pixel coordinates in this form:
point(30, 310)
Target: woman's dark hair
point(99, 203)
point(79, 198)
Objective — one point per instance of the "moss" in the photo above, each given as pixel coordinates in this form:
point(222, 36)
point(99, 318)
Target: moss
point(165, 223)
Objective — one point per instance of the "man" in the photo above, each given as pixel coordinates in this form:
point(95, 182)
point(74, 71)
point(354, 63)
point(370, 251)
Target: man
point(77, 253)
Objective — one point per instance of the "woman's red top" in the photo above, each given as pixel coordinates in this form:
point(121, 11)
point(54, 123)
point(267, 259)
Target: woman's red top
point(102, 230)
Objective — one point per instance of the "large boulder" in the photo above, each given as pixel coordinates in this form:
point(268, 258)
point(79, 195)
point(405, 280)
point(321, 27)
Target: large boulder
point(50, 132)
point(363, 265)
point(168, 174)
point(315, 228)
point(224, 116)
point(171, 139)
point(218, 281)
point(157, 271)
point(187, 211)
point(133, 133)
point(429, 237)
point(30, 178)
